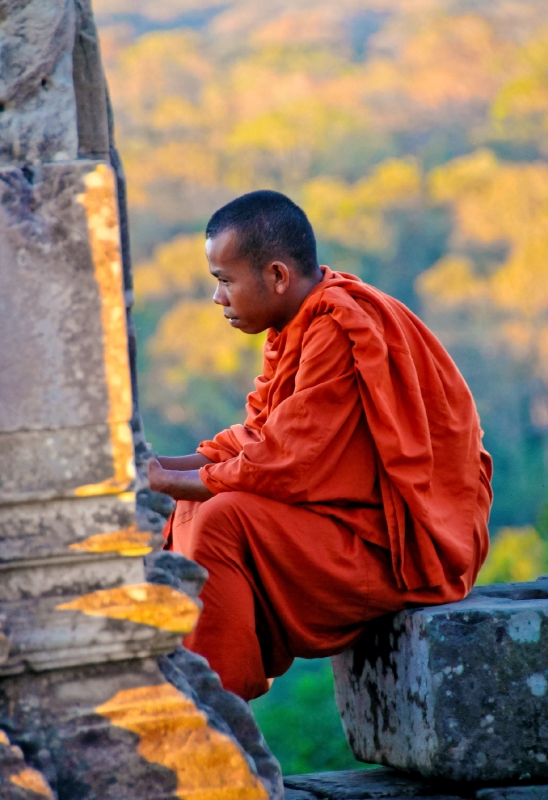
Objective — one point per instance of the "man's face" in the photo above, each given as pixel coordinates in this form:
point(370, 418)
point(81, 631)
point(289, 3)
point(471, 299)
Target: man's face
point(247, 301)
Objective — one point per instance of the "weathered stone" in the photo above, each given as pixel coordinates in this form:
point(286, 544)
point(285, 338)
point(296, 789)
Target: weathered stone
point(72, 573)
point(37, 103)
point(18, 781)
point(455, 691)
point(531, 792)
point(47, 528)
point(175, 570)
point(367, 785)
point(43, 465)
point(81, 692)
point(387, 784)
point(90, 88)
point(191, 673)
point(57, 722)
point(100, 732)
point(226, 712)
point(53, 369)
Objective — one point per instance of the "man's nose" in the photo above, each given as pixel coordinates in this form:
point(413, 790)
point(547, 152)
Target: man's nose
point(220, 295)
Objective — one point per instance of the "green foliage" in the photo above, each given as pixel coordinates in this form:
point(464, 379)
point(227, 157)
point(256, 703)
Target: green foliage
point(516, 554)
point(301, 723)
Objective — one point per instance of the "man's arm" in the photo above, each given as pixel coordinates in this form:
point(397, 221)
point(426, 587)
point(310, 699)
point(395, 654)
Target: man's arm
point(181, 485)
point(301, 440)
point(182, 463)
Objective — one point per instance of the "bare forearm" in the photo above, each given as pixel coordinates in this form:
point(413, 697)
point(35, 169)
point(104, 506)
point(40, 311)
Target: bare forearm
point(183, 463)
point(185, 485)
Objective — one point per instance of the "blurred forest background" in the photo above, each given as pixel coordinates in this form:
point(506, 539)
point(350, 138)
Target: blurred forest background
point(415, 135)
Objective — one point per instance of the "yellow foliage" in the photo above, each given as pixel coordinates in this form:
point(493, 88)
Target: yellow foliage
point(160, 65)
point(516, 554)
point(198, 340)
point(302, 124)
point(497, 202)
point(274, 96)
point(179, 266)
point(352, 214)
point(451, 281)
point(451, 59)
point(525, 94)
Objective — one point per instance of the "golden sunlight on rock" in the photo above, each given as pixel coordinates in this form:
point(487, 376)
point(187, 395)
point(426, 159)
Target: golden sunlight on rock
point(33, 781)
point(174, 732)
point(146, 603)
point(127, 542)
point(99, 201)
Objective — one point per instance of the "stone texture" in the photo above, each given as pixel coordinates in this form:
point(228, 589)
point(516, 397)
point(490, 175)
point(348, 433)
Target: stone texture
point(53, 370)
point(191, 674)
point(37, 102)
point(81, 692)
point(531, 792)
point(456, 691)
point(364, 785)
point(226, 713)
point(121, 731)
point(175, 570)
point(43, 465)
point(392, 785)
point(18, 781)
point(90, 87)
point(47, 529)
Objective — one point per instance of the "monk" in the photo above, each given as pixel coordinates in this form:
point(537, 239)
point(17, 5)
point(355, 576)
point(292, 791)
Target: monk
point(358, 484)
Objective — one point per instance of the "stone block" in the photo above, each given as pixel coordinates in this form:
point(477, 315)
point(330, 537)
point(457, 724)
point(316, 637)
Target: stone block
point(64, 343)
point(90, 87)
point(43, 465)
point(456, 691)
point(122, 732)
point(388, 784)
point(32, 530)
point(38, 112)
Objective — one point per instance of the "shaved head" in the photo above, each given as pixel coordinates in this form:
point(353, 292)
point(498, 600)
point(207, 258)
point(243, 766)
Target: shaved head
point(268, 226)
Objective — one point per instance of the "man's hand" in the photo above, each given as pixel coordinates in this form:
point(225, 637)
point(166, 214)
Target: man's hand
point(155, 475)
point(181, 485)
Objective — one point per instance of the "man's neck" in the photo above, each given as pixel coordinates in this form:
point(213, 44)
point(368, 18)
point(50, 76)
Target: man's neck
point(304, 286)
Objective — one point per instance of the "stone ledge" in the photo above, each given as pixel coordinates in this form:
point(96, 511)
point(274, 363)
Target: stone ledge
point(383, 783)
point(457, 691)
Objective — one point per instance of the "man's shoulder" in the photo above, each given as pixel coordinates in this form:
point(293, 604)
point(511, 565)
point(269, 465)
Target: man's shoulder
point(325, 332)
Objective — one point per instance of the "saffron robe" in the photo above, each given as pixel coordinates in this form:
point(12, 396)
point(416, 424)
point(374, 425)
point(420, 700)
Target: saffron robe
point(357, 485)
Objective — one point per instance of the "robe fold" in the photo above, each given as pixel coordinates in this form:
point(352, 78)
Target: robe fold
point(360, 426)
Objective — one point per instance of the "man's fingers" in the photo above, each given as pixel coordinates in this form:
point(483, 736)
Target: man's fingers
point(153, 466)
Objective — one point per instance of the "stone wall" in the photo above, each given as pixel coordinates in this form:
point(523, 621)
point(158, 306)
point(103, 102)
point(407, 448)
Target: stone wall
point(85, 710)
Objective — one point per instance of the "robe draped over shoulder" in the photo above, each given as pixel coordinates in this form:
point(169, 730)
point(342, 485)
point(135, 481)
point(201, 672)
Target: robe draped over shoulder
point(361, 414)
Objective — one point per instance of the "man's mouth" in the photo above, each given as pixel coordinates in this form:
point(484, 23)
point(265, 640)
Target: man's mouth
point(232, 320)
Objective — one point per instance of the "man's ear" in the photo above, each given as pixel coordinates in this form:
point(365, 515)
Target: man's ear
point(279, 276)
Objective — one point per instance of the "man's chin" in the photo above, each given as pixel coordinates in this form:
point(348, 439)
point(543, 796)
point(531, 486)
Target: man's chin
point(244, 327)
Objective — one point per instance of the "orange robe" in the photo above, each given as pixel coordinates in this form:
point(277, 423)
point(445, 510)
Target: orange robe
point(358, 485)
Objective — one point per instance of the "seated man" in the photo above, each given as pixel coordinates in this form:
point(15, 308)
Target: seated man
point(357, 485)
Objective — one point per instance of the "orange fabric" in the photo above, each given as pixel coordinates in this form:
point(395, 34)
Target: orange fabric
point(285, 582)
point(357, 486)
point(361, 415)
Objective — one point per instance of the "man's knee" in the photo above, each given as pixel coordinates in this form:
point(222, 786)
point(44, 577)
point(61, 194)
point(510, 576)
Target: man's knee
point(221, 514)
